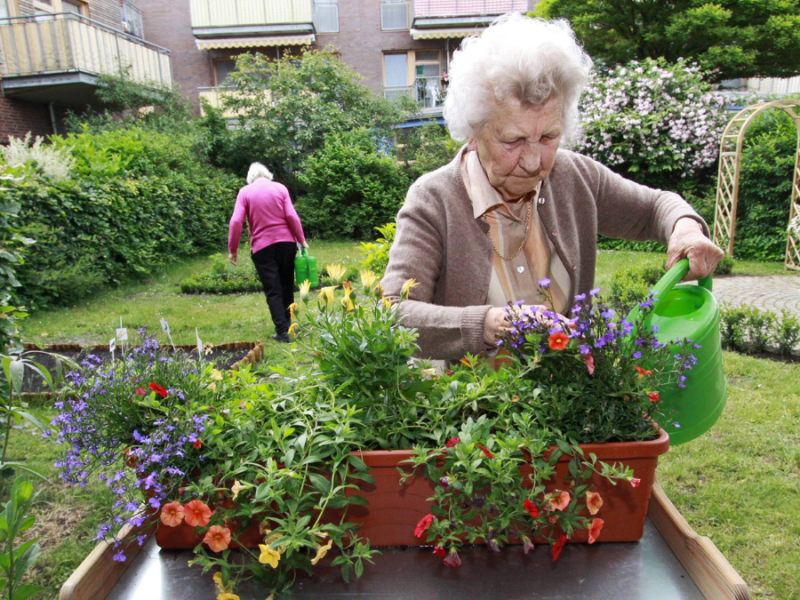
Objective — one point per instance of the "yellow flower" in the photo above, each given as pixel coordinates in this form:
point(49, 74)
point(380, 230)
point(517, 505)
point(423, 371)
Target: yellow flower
point(293, 311)
point(326, 294)
point(293, 329)
point(227, 596)
point(321, 552)
point(336, 272)
point(269, 556)
point(237, 487)
point(213, 387)
point(216, 375)
point(368, 279)
point(224, 590)
point(305, 288)
point(386, 304)
point(348, 304)
point(348, 288)
point(430, 373)
point(411, 283)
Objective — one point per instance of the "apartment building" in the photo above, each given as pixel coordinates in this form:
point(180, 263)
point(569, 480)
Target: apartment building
point(52, 52)
point(398, 46)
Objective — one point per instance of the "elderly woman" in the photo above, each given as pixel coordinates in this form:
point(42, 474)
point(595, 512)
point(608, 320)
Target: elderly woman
point(514, 208)
point(275, 231)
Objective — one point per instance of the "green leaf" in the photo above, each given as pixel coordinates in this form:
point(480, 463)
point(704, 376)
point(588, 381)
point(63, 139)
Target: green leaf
point(26, 591)
point(31, 553)
point(319, 483)
point(358, 500)
point(16, 369)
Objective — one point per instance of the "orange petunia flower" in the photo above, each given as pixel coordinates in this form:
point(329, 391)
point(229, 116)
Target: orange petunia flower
point(558, 340)
point(594, 530)
point(593, 502)
point(172, 514)
point(642, 372)
point(197, 513)
point(560, 501)
point(653, 396)
point(218, 538)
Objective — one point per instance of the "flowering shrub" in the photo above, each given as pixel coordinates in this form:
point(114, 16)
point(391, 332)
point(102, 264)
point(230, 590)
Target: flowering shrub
point(653, 122)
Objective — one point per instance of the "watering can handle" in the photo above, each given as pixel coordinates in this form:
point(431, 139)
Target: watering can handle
point(303, 252)
point(672, 277)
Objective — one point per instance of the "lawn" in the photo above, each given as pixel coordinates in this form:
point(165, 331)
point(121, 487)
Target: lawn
point(738, 484)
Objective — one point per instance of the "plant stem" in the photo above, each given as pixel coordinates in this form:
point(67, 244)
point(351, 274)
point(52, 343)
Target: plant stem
point(8, 421)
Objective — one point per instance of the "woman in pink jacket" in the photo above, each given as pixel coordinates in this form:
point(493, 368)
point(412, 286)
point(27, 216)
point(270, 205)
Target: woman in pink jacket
point(275, 231)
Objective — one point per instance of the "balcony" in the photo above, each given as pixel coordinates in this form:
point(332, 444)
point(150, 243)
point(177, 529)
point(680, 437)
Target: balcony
point(59, 57)
point(458, 18)
point(251, 23)
point(428, 92)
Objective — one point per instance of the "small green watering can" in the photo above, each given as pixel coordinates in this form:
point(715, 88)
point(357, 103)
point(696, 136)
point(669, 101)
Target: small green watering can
point(305, 267)
point(690, 311)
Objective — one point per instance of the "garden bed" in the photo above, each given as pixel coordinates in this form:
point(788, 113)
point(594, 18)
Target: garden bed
point(229, 356)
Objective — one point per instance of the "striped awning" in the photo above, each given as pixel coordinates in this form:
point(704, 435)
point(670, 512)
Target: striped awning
point(440, 34)
point(257, 42)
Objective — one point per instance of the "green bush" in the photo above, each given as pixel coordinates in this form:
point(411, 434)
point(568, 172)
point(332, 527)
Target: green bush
point(725, 266)
point(353, 187)
point(786, 333)
point(758, 326)
point(633, 284)
point(426, 148)
point(376, 254)
point(224, 278)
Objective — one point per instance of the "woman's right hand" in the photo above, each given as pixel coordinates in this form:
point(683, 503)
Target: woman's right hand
point(494, 324)
point(305, 245)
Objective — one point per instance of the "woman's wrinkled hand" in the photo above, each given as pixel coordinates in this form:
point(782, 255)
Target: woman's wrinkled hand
point(232, 258)
point(689, 241)
point(494, 325)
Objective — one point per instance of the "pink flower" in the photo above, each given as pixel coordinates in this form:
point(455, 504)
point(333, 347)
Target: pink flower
point(558, 546)
point(532, 509)
point(593, 502)
point(439, 551)
point(218, 538)
point(452, 559)
point(527, 544)
point(588, 360)
point(635, 482)
point(197, 513)
point(172, 514)
point(452, 442)
point(423, 525)
point(594, 530)
point(560, 502)
point(140, 391)
point(485, 450)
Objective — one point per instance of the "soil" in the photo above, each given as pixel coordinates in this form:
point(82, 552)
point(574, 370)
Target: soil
point(221, 359)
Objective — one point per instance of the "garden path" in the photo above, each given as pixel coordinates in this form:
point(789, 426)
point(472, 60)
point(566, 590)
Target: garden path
point(768, 292)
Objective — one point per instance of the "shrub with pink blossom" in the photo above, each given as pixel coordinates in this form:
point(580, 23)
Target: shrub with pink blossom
point(654, 122)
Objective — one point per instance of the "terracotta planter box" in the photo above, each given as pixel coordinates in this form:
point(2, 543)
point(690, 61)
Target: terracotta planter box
point(394, 511)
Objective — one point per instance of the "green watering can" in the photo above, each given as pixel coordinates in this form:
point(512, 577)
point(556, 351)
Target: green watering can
point(690, 311)
point(305, 267)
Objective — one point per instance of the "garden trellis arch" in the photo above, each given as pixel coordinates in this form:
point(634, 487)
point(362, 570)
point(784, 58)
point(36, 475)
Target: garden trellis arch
point(730, 165)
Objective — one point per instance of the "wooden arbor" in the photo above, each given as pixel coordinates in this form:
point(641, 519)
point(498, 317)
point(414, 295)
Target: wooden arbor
point(730, 165)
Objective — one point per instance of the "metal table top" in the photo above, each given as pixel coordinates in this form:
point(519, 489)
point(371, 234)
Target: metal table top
point(647, 570)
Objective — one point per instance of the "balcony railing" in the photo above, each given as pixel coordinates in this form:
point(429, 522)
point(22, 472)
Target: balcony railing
point(428, 92)
point(66, 42)
point(771, 85)
point(393, 93)
point(240, 13)
point(466, 8)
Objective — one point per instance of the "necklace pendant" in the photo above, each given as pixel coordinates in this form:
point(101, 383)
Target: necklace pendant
point(520, 269)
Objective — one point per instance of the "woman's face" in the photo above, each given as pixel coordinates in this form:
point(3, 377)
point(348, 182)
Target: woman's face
point(517, 146)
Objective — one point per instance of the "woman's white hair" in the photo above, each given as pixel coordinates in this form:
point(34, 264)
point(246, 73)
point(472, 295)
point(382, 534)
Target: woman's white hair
point(532, 60)
point(258, 170)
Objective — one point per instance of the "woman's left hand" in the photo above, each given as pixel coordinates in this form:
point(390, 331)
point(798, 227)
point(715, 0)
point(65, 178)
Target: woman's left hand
point(232, 258)
point(689, 241)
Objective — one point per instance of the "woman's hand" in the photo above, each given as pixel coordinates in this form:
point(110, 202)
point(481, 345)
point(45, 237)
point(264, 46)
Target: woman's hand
point(689, 241)
point(494, 325)
point(305, 245)
point(232, 258)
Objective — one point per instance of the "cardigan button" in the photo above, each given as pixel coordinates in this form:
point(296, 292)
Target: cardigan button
point(541, 200)
point(555, 233)
point(574, 267)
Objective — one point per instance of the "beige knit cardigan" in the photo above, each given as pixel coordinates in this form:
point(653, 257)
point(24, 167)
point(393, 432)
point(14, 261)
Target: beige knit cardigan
point(442, 246)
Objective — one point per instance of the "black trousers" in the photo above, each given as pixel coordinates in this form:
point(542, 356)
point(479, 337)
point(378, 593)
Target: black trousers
point(275, 267)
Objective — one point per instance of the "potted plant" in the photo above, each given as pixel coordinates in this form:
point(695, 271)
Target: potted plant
point(312, 458)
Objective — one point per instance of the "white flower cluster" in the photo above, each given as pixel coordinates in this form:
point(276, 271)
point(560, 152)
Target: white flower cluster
point(652, 117)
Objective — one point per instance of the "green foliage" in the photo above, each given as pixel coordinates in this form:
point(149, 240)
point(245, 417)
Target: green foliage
point(725, 266)
point(16, 559)
point(731, 38)
point(786, 332)
point(290, 107)
point(758, 325)
point(376, 254)
point(765, 188)
point(353, 187)
point(224, 278)
point(426, 148)
point(753, 330)
point(633, 284)
point(732, 321)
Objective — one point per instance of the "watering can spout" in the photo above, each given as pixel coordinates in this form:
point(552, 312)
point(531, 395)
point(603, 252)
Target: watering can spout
point(690, 312)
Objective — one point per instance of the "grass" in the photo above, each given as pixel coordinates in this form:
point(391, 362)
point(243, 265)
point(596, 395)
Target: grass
point(738, 484)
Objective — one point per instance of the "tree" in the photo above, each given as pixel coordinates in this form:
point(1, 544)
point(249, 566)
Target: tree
point(728, 38)
point(288, 107)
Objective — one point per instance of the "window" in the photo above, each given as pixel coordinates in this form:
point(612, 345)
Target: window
point(394, 14)
point(326, 16)
point(71, 7)
point(422, 81)
point(59, 6)
point(4, 12)
point(395, 75)
point(223, 68)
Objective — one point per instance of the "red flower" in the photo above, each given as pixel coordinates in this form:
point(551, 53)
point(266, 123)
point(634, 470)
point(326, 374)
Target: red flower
point(452, 442)
point(594, 530)
point(140, 391)
point(588, 360)
point(198, 444)
point(642, 372)
point(635, 482)
point(653, 396)
point(485, 450)
point(158, 390)
point(558, 546)
point(452, 559)
point(439, 551)
point(558, 340)
point(449, 373)
point(466, 362)
point(423, 524)
point(532, 509)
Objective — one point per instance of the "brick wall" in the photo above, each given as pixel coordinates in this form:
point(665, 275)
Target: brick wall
point(18, 118)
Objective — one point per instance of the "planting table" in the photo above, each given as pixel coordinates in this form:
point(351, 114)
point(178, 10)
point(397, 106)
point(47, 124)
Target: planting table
point(671, 562)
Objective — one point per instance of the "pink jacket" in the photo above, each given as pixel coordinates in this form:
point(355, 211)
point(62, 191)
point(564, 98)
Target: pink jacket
point(270, 216)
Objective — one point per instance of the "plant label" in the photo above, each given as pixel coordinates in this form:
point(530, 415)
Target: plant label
point(165, 326)
point(112, 345)
point(122, 334)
